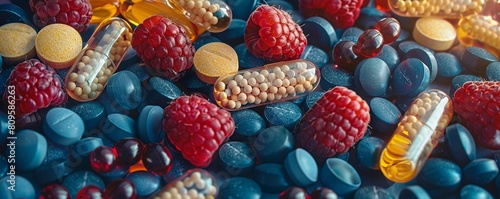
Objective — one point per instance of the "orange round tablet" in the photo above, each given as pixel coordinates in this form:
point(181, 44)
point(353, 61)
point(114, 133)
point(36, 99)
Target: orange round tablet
point(17, 42)
point(58, 45)
point(214, 60)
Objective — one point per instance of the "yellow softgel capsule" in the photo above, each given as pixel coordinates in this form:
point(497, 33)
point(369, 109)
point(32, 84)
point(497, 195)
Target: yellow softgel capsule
point(434, 33)
point(214, 60)
point(58, 45)
point(17, 42)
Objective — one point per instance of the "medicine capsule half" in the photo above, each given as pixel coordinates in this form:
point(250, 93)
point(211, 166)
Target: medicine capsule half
point(416, 136)
point(212, 15)
point(195, 183)
point(98, 60)
point(267, 84)
point(444, 8)
point(481, 31)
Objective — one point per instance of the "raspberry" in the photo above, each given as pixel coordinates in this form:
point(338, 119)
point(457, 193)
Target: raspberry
point(271, 34)
point(75, 13)
point(477, 105)
point(340, 13)
point(197, 128)
point(334, 123)
point(36, 86)
point(164, 46)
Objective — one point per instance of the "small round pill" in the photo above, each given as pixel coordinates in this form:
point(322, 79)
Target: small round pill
point(250, 99)
point(220, 86)
point(286, 82)
point(71, 86)
point(81, 78)
point(231, 104)
point(78, 91)
point(299, 88)
point(236, 90)
point(263, 87)
point(260, 78)
point(252, 81)
point(234, 97)
point(242, 97)
point(263, 96)
point(238, 105)
point(273, 89)
point(280, 75)
point(276, 69)
point(293, 81)
point(271, 77)
point(290, 89)
point(281, 90)
point(257, 100)
point(265, 73)
point(270, 96)
point(255, 91)
point(86, 59)
point(238, 78)
point(243, 82)
point(277, 82)
point(247, 89)
point(278, 96)
point(247, 74)
point(233, 83)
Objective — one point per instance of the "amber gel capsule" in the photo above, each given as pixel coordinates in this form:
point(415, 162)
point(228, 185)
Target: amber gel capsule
point(416, 136)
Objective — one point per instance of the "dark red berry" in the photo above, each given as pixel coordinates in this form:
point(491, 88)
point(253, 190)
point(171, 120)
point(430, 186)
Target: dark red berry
point(120, 189)
point(157, 158)
point(103, 159)
point(55, 191)
point(344, 55)
point(340, 13)
point(128, 151)
point(294, 193)
point(323, 193)
point(75, 13)
point(389, 28)
point(369, 43)
point(90, 192)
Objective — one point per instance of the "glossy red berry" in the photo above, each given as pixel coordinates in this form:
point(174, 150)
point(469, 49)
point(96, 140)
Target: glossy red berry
point(103, 159)
point(369, 44)
point(75, 13)
point(120, 189)
point(323, 193)
point(90, 192)
point(157, 158)
point(294, 193)
point(128, 151)
point(389, 28)
point(55, 191)
point(344, 55)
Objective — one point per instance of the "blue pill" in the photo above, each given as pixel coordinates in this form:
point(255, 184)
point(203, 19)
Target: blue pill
point(406, 46)
point(372, 192)
point(247, 60)
point(385, 116)
point(477, 59)
point(403, 36)
point(346, 38)
point(149, 124)
point(124, 87)
point(233, 35)
point(63, 126)
point(312, 98)
point(448, 66)
point(461, 144)
point(111, 106)
point(237, 158)
point(239, 187)
point(145, 182)
point(340, 176)
point(480, 171)
point(4, 76)
point(285, 114)
point(3, 166)
point(4, 130)
point(284, 5)
point(299, 101)
point(493, 71)
point(92, 113)
point(118, 126)
point(459, 80)
point(248, 122)
point(79, 152)
point(332, 75)
point(244, 8)
point(55, 151)
point(205, 39)
point(390, 56)
point(410, 78)
point(115, 174)
point(372, 76)
point(414, 192)
point(353, 32)
point(474, 191)
point(440, 177)
point(369, 150)
point(314, 54)
point(407, 23)
point(271, 177)
point(403, 103)
point(179, 167)
point(16, 187)
point(301, 167)
point(427, 58)
point(140, 70)
point(79, 179)
point(320, 33)
point(497, 184)
point(368, 17)
point(161, 91)
point(12, 13)
point(273, 144)
point(55, 171)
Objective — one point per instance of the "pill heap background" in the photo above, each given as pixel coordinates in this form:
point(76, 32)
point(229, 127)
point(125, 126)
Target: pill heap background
point(160, 130)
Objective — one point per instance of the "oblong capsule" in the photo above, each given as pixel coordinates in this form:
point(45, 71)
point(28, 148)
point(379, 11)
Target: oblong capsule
point(98, 60)
point(481, 31)
point(416, 136)
point(444, 9)
point(195, 183)
point(270, 83)
point(213, 15)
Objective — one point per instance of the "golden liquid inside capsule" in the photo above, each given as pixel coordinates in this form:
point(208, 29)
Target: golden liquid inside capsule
point(103, 9)
point(481, 31)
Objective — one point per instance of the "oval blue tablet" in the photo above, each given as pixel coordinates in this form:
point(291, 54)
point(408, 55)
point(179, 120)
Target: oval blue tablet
point(410, 78)
point(79, 179)
point(480, 171)
point(285, 114)
point(493, 71)
point(352, 31)
point(16, 186)
point(205, 39)
point(233, 35)
point(246, 59)
point(390, 56)
point(406, 46)
point(149, 124)
point(63, 126)
point(79, 152)
point(448, 66)
point(368, 17)
point(372, 76)
point(125, 89)
point(111, 106)
point(314, 54)
point(236, 158)
point(459, 81)
point(140, 70)
point(248, 123)
point(242, 8)
point(477, 59)
point(372, 192)
point(369, 150)
point(271, 177)
point(403, 103)
point(179, 167)
point(320, 33)
point(118, 126)
point(332, 75)
point(385, 116)
point(461, 144)
point(474, 191)
point(427, 58)
point(414, 192)
point(55, 151)
point(403, 36)
point(239, 187)
point(301, 167)
point(440, 177)
point(92, 113)
point(312, 98)
point(273, 144)
point(340, 176)
point(55, 171)
point(10, 13)
point(161, 91)
point(115, 174)
point(192, 82)
point(145, 182)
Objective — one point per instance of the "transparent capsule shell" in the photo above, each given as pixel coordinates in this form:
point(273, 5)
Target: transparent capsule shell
point(417, 134)
point(213, 15)
point(266, 84)
point(196, 184)
point(98, 60)
point(481, 31)
point(440, 8)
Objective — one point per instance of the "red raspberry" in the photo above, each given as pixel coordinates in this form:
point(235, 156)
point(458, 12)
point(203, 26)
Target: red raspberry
point(477, 105)
point(36, 86)
point(197, 128)
point(340, 13)
point(271, 34)
point(334, 124)
point(164, 46)
point(75, 13)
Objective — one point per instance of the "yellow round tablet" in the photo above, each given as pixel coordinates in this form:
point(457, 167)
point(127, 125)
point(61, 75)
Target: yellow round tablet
point(434, 33)
point(17, 42)
point(58, 45)
point(214, 60)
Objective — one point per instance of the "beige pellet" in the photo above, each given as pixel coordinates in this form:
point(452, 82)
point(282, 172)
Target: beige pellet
point(220, 86)
point(234, 83)
point(281, 90)
point(236, 90)
point(263, 96)
point(250, 99)
point(252, 81)
point(247, 89)
point(263, 87)
point(242, 97)
point(255, 91)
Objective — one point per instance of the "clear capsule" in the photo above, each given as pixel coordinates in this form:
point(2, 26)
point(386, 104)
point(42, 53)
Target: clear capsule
point(98, 60)
point(212, 15)
point(440, 8)
point(481, 31)
point(194, 184)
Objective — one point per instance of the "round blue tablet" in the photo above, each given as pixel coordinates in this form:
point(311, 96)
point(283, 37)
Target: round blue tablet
point(440, 177)
point(406, 46)
point(192, 82)
point(474, 191)
point(461, 144)
point(239, 187)
point(403, 103)
point(3, 166)
point(414, 192)
point(448, 66)
point(301, 167)
point(79, 152)
point(79, 179)
point(205, 39)
point(145, 182)
point(273, 144)
point(372, 192)
point(369, 150)
point(149, 124)
point(403, 36)
point(332, 75)
point(493, 71)
point(427, 58)
point(63, 126)
point(179, 167)
point(244, 8)
point(368, 17)
point(480, 171)
point(352, 31)
point(271, 177)
point(118, 126)
point(385, 116)
point(410, 78)
point(340, 176)
point(124, 87)
point(115, 174)
point(314, 54)
point(459, 80)
point(161, 91)
point(4, 129)
point(372, 77)
point(111, 106)
point(285, 114)
point(10, 13)
point(55, 151)
point(477, 59)
point(312, 98)
point(320, 33)
point(233, 35)
point(92, 113)
point(248, 123)
point(54, 171)
point(390, 56)
point(246, 59)
point(237, 158)
point(140, 70)
point(15, 186)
